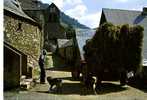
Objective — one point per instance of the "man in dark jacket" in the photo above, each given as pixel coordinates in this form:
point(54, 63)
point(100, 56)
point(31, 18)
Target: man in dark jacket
point(41, 64)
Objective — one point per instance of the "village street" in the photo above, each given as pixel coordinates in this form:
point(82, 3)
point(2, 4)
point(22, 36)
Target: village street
point(72, 90)
point(113, 40)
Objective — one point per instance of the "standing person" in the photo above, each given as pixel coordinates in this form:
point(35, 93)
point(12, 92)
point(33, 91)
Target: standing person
point(41, 64)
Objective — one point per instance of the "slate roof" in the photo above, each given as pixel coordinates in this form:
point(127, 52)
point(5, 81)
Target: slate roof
point(62, 43)
point(14, 7)
point(132, 17)
point(82, 35)
point(117, 16)
point(33, 5)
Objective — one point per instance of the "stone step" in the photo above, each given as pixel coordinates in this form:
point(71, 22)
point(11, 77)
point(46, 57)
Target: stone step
point(26, 84)
point(22, 77)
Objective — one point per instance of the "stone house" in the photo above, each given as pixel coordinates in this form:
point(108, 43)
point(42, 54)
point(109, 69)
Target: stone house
point(49, 18)
point(22, 36)
point(66, 50)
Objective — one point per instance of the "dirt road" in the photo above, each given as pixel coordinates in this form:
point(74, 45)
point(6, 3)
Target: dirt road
point(72, 90)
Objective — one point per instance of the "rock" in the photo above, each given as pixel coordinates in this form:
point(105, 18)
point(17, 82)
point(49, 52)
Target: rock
point(26, 84)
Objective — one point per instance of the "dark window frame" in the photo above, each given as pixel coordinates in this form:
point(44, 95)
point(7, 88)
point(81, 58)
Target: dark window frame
point(19, 28)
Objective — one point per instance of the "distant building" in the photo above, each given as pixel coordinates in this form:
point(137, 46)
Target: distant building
point(22, 36)
point(49, 18)
point(53, 29)
point(66, 50)
point(131, 17)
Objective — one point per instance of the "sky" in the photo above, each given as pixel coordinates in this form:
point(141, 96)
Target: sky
point(88, 12)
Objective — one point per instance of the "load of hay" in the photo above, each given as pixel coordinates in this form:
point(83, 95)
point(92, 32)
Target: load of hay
point(114, 48)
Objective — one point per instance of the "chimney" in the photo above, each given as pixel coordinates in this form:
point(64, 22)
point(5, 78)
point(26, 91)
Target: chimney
point(144, 12)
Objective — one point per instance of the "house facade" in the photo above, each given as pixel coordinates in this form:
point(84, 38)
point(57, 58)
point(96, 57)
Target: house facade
point(22, 36)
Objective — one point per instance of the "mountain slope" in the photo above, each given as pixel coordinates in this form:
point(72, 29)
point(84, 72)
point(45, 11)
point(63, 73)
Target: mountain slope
point(67, 20)
point(37, 5)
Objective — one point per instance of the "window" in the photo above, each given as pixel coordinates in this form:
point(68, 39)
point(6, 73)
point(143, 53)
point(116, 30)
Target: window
point(19, 27)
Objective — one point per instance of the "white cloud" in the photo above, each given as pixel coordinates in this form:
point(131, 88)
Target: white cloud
point(77, 12)
point(80, 13)
point(62, 3)
point(91, 20)
point(123, 1)
point(72, 2)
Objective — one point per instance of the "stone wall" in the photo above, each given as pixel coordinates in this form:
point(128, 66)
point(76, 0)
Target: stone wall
point(38, 16)
point(25, 36)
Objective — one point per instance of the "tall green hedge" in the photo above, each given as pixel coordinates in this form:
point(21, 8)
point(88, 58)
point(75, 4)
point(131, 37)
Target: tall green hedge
point(115, 47)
